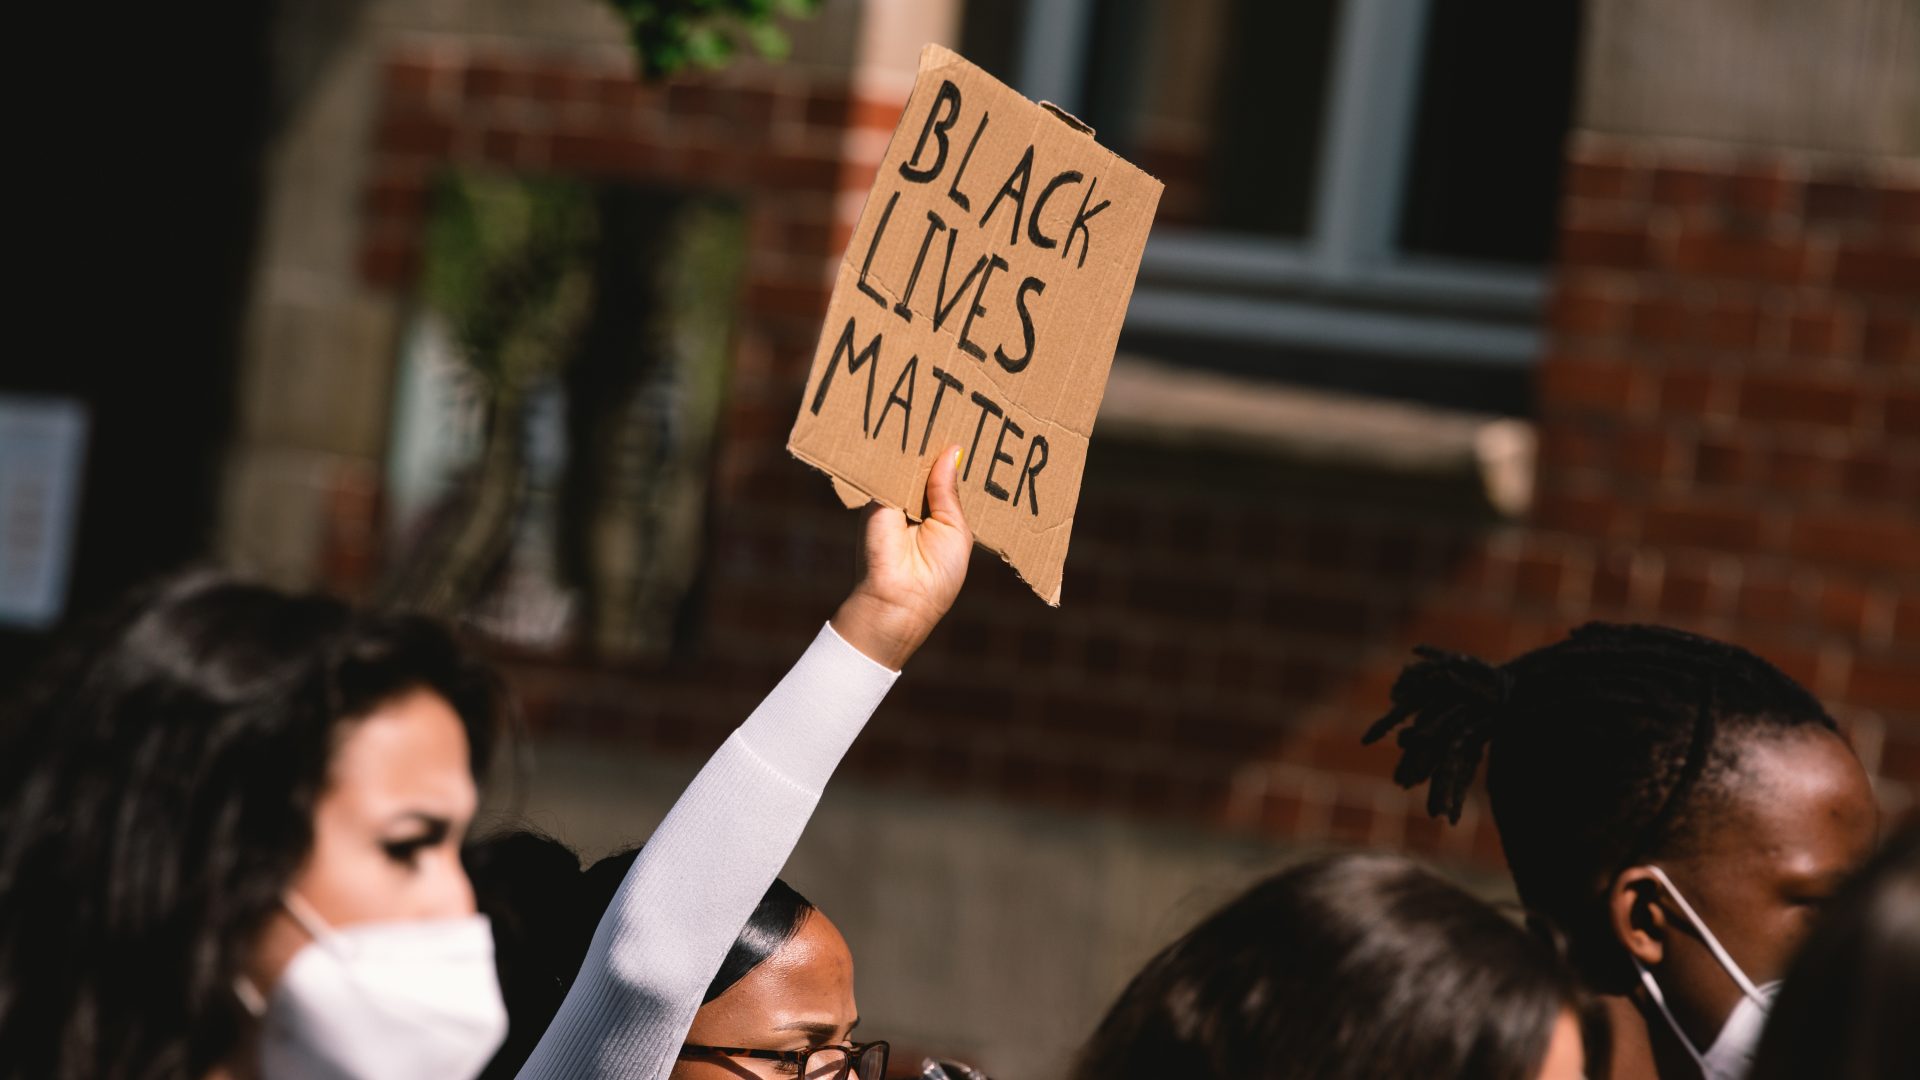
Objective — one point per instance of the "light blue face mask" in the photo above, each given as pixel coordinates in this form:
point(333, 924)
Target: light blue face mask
point(1731, 1055)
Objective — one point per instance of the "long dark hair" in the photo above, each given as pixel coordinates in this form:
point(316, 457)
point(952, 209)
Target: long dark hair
point(1613, 746)
point(1848, 1006)
point(1343, 968)
point(156, 795)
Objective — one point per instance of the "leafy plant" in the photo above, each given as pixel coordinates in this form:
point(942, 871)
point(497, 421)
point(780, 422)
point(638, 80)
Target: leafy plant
point(670, 35)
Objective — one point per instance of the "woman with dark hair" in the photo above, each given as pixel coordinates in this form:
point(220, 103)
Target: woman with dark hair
point(232, 774)
point(1350, 967)
point(230, 831)
point(1677, 806)
point(1850, 1003)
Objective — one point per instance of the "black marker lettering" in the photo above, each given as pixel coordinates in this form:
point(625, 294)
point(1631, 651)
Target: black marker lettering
point(1022, 172)
point(943, 307)
point(953, 186)
point(967, 346)
point(1027, 471)
point(1080, 224)
point(872, 246)
point(986, 406)
point(1013, 364)
point(1040, 207)
point(993, 489)
point(945, 382)
point(900, 308)
point(936, 126)
point(868, 357)
point(906, 403)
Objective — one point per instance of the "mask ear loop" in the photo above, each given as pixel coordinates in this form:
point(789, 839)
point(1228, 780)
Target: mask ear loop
point(1713, 943)
point(310, 921)
point(1660, 1001)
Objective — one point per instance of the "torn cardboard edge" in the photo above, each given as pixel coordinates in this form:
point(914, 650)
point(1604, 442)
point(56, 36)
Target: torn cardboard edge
point(1068, 225)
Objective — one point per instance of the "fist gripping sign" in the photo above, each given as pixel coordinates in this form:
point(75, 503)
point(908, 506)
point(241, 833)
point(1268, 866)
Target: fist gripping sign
point(978, 303)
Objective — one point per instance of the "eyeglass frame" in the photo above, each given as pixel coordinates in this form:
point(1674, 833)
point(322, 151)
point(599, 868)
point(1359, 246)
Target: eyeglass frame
point(854, 1052)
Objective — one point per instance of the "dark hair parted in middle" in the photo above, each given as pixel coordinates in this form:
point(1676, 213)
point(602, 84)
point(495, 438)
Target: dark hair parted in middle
point(1343, 968)
point(1609, 748)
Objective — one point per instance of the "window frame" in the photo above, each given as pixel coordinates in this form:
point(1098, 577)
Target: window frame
point(1347, 285)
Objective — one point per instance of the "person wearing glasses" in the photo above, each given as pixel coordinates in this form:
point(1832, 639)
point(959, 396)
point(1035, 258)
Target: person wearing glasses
point(677, 913)
point(782, 1003)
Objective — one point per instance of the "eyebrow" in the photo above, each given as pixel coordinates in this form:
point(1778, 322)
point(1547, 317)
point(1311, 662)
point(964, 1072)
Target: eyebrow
point(436, 827)
point(817, 1029)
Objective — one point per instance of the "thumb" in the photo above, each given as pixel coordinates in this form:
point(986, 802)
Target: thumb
point(943, 489)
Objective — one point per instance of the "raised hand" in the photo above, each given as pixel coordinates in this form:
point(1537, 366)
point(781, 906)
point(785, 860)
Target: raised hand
point(910, 573)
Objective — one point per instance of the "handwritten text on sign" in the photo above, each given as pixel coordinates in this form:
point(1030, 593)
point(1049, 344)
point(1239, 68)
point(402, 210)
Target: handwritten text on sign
point(978, 303)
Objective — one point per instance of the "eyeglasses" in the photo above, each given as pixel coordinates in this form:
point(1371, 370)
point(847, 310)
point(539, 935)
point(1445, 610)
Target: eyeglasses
point(859, 1061)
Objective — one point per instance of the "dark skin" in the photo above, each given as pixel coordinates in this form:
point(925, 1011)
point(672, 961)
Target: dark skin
point(1800, 817)
point(800, 997)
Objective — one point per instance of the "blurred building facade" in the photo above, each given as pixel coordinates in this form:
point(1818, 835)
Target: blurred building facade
point(1693, 398)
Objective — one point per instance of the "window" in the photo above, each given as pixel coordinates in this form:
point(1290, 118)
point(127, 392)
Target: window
point(1360, 193)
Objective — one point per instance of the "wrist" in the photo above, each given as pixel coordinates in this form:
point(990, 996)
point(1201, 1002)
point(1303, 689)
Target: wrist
point(884, 632)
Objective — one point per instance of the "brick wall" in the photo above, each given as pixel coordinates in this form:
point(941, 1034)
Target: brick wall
point(1729, 420)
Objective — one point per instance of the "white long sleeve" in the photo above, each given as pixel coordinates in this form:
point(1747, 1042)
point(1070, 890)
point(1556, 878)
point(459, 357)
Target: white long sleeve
point(699, 877)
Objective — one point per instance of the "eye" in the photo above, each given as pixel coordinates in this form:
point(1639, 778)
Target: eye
point(407, 852)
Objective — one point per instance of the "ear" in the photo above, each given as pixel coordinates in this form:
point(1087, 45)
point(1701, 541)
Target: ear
point(1637, 914)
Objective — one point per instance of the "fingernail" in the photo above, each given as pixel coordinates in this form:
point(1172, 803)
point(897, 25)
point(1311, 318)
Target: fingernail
point(958, 454)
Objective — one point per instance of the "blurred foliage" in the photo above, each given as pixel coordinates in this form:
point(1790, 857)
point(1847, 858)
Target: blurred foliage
point(510, 266)
point(670, 35)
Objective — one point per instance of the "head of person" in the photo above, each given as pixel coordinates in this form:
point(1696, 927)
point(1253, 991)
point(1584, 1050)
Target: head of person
point(1348, 966)
point(782, 1003)
point(206, 798)
point(1677, 806)
point(1847, 1008)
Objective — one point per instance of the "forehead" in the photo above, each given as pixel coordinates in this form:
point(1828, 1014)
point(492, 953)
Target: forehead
point(808, 980)
point(409, 753)
point(1797, 804)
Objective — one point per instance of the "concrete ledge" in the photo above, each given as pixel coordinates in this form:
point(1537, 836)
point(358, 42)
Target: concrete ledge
point(1160, 404)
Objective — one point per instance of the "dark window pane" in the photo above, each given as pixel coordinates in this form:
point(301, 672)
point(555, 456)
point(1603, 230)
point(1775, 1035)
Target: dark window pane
point(990, 33)
point(1223, 100)
point(1496, 96)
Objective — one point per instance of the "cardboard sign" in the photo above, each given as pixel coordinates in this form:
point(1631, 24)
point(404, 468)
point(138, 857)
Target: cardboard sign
point(978, 303)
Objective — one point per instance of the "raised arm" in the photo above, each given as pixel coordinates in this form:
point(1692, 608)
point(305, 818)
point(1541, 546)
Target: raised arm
point(697, 880)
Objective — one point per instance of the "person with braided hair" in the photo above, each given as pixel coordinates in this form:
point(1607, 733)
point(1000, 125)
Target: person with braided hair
point(1676, 806)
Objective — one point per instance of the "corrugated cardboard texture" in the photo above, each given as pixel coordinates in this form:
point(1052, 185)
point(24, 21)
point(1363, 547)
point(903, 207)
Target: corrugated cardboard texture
point(978, 303)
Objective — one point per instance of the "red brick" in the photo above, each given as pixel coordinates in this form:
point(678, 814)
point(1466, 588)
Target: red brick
point(1906, 619)
point(1538, 577)
point(1726, 461)
point(1803, 471)
point(1822, 330)
point(413, 82)
point(487, 79)
point(827, 107)
point(1587, 310)
point(1584, 515)
point(1891, 339)
point(1832, 201)
point(1885, 684)
point(801, 171)
point(1771, 597)
point(390, 263)
point(1878, 270)
point(1621, 247)
point(1612, 582)
point(1722, 528)
point(1903, 412)
point(1842, 608)
point(1900, 207)
point(1686, 187)
point(1646, 453)
point(1878, 542)
point(1598, 180)
point(415, 135)
point(1791, 399)
point(1582, 383)
point(1764, 194)
point(875, 114)
point(1718, 254)
point(1687, 591)
point(1687, 392)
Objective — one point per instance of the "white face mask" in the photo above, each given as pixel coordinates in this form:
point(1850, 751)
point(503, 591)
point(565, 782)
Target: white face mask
point(1731, 1055)
point(399, 1000)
